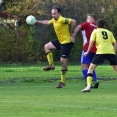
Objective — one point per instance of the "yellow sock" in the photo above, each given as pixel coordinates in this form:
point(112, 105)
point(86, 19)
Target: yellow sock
point(50, 58)
point(89, 80)
point(63, 76)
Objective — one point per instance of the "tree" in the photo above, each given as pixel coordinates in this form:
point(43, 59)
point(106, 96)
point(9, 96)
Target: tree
point(2, 5)
point(76, 9)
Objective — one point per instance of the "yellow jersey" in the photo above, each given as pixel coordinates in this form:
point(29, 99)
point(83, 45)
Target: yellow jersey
point(62, 29)
point(104, 40)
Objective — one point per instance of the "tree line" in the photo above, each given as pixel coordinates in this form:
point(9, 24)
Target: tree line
point(25, 43)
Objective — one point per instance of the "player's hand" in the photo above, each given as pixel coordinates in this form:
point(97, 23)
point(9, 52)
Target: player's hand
point(72, 39)
point(86, 53)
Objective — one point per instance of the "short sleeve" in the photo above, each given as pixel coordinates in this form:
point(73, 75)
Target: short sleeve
point(84, 25)
point(93, 36)
point(113, 38)
point(51, 21)
point(65, 20)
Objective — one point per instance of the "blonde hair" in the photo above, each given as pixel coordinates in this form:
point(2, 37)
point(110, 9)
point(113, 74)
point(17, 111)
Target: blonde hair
point(92, 15)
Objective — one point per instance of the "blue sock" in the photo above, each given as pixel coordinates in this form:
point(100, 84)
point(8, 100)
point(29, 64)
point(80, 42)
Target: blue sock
point(94, 76)
point(85, 73)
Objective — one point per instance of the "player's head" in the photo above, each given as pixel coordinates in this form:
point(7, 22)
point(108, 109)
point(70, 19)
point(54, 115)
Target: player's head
point(55, 12)
point(100, 23)
point(91, 18)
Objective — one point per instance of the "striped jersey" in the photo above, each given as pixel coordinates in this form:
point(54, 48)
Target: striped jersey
point(87, 28)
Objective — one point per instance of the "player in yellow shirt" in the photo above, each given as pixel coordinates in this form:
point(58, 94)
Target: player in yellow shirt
point(64, 42)
point(106, 50)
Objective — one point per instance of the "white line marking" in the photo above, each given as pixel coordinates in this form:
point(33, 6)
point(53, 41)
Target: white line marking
point(70, 106)
point(84, 107)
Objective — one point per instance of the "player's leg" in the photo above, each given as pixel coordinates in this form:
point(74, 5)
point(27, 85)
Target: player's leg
point(115, 68)
point(65, 52)
point(64, 69)
point(89, 77)
point(90, 74)
point(85, 62)
point(48, 47)
point(97, 59)
point(113, 61)
point(95, 79)
point(63, 72)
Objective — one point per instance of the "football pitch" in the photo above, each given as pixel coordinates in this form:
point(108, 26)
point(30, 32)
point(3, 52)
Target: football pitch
point(31, 73)
point(44, 100)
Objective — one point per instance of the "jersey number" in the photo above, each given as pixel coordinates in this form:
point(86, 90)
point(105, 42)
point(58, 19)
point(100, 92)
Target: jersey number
point(104, 34)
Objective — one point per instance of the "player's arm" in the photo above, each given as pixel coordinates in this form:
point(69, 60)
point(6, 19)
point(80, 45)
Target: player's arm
point(43, 22)
point(92, 40)
point(114, 43)
point(115, 46)
point(89, 48)
point(73, 25)
point(76, 30)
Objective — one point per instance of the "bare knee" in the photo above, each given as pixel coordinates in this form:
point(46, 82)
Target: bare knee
point(47, 47)
point(91, 68)
point(63, 64)
point(85, 66)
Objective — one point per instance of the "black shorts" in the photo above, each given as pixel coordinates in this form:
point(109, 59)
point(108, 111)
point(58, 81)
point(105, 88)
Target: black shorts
point(100, 58)
point(65, 49)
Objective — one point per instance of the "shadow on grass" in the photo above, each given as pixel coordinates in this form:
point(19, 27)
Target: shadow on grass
point(37, 80)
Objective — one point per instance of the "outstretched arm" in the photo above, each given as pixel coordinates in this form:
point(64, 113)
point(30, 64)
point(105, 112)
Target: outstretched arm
point(43, 22)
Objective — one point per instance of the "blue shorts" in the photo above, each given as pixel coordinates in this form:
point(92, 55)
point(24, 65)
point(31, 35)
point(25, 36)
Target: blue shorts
point(87, 59)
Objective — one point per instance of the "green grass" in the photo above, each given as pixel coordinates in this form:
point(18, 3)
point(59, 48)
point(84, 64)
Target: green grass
point(26, 92)
point(35, 72)
point(44, 100)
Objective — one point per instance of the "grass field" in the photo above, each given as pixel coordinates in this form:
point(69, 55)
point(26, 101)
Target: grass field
point(35, 72)
point(27, 91)
point(44, 100)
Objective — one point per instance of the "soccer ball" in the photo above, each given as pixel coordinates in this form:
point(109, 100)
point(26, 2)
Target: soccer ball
point(30, 20)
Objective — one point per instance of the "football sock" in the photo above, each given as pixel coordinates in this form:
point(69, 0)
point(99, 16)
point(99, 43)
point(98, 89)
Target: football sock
point(94, 77)
point(50, 58)
point(89, 79)
point(85, 73)
point(63, 76)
